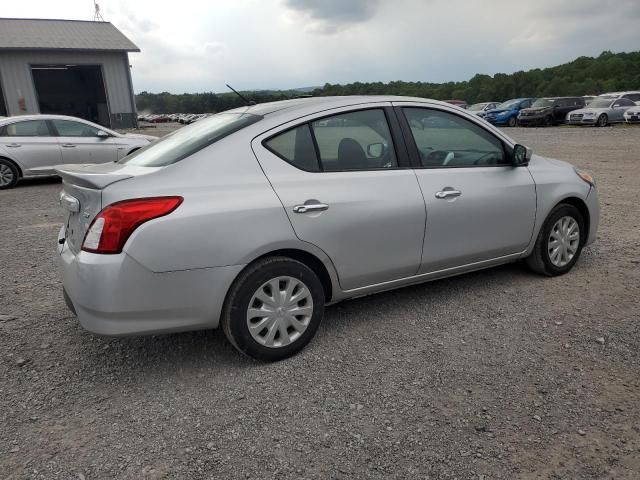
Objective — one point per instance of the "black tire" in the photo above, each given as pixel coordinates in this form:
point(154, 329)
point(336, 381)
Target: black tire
point(548, 121)
point(512, 122)
point(540, 261)
point(9, 174)
point(603, 120)
point(234, 315)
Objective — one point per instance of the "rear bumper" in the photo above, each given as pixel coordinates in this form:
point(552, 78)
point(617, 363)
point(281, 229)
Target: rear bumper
point(115, 295)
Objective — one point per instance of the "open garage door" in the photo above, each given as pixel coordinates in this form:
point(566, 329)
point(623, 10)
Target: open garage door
point(76, 90)
point(3, 107)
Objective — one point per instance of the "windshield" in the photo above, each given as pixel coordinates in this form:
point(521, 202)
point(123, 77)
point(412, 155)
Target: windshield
point(543, 102)
point(508, 105)
point(478, 106)
point(188, 140)
point(600, 103)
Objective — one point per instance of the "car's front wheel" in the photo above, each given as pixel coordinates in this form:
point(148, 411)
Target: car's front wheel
point(603, 120)
point(512, 122)
point(273, 309)
point(559, 242)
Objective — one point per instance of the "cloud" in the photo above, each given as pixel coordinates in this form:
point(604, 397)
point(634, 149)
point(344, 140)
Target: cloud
point(331, 16)
point(258, 44)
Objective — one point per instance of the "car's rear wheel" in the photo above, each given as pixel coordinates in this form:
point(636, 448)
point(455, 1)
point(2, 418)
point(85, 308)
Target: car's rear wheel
point(559, 242)
point(273, 309)
point(8, 174)
point(512, 122)
point(603, 120)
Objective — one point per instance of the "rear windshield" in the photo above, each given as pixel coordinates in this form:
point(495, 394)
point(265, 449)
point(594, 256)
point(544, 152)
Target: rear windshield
point(190, 139)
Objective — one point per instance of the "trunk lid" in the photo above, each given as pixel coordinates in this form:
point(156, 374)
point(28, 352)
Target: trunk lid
point(81, 196)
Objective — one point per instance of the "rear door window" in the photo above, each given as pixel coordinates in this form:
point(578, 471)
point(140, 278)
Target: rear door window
point(355, 141)
point(28, 128)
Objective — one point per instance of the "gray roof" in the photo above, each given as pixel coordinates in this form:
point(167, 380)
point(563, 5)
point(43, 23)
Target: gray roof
point(36, 34)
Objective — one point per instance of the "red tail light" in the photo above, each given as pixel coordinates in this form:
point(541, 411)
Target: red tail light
point(111, 229)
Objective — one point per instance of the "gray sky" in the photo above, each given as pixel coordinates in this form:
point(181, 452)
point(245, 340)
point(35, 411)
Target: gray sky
point(199, 45)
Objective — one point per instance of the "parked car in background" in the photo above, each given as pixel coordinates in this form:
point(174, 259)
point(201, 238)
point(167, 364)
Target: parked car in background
point(256, 218)
point(31, 145)
point(601, 112)
point(457, 103)
point(482, 108)
point(632, 115)
point(634, 96)
point(506, 113)
point(588, 99)
point(549, 111)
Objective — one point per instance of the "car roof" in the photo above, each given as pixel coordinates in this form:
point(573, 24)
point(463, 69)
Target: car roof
point(290, 106)
point(43, 116)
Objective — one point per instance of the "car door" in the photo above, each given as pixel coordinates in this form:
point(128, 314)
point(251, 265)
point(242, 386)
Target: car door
point(479, 207)
point(346, 185)
point(31, 144)
point(618, 108)
point(81, 142)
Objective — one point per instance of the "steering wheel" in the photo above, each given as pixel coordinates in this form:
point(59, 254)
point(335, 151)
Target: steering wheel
point(450, 156)
point(439, 158)
point(481, 158)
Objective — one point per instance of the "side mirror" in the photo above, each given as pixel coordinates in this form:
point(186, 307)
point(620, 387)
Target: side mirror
point(521, 155)
point(375, 150)
point(102, 134)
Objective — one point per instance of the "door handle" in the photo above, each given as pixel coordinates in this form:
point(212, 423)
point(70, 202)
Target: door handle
point(311, 207)
point(68, 145)
point(14, 145)
point(446, 193)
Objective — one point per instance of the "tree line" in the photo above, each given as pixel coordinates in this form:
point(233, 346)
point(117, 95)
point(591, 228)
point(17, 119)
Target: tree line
point(583, 76)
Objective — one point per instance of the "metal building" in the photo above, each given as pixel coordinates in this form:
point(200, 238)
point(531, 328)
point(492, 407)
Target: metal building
point(66, 67)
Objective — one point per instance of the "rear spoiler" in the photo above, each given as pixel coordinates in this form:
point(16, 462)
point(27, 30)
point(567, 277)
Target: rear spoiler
point(96, 176)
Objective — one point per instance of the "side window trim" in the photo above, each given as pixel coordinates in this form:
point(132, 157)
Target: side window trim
point(401, 149)
point(412, 146)
point(53, 131)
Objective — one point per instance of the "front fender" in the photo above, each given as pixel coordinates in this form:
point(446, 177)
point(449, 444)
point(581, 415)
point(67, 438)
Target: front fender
point(556, 181)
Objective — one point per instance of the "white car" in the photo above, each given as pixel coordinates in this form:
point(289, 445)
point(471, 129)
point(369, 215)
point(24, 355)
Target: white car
point(634, 95)
point(632, 115)
point(31, 145)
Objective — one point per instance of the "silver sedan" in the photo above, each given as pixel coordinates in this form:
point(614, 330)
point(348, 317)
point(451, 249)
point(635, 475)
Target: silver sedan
point(255, 219)
point(32, 145)
point(601, 112)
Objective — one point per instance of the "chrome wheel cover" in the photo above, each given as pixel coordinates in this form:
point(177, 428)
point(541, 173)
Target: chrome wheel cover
point(279, 312)
point(6, 175)
point(564, 241)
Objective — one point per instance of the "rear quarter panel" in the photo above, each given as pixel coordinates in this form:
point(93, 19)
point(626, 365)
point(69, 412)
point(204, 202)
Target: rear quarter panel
point(230, 213)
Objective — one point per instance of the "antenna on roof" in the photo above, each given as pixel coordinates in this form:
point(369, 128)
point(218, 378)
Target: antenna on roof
point(97, 16)
point(246, 100)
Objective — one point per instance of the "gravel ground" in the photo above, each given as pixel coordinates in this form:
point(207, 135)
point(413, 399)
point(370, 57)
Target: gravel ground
point(498, 374)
